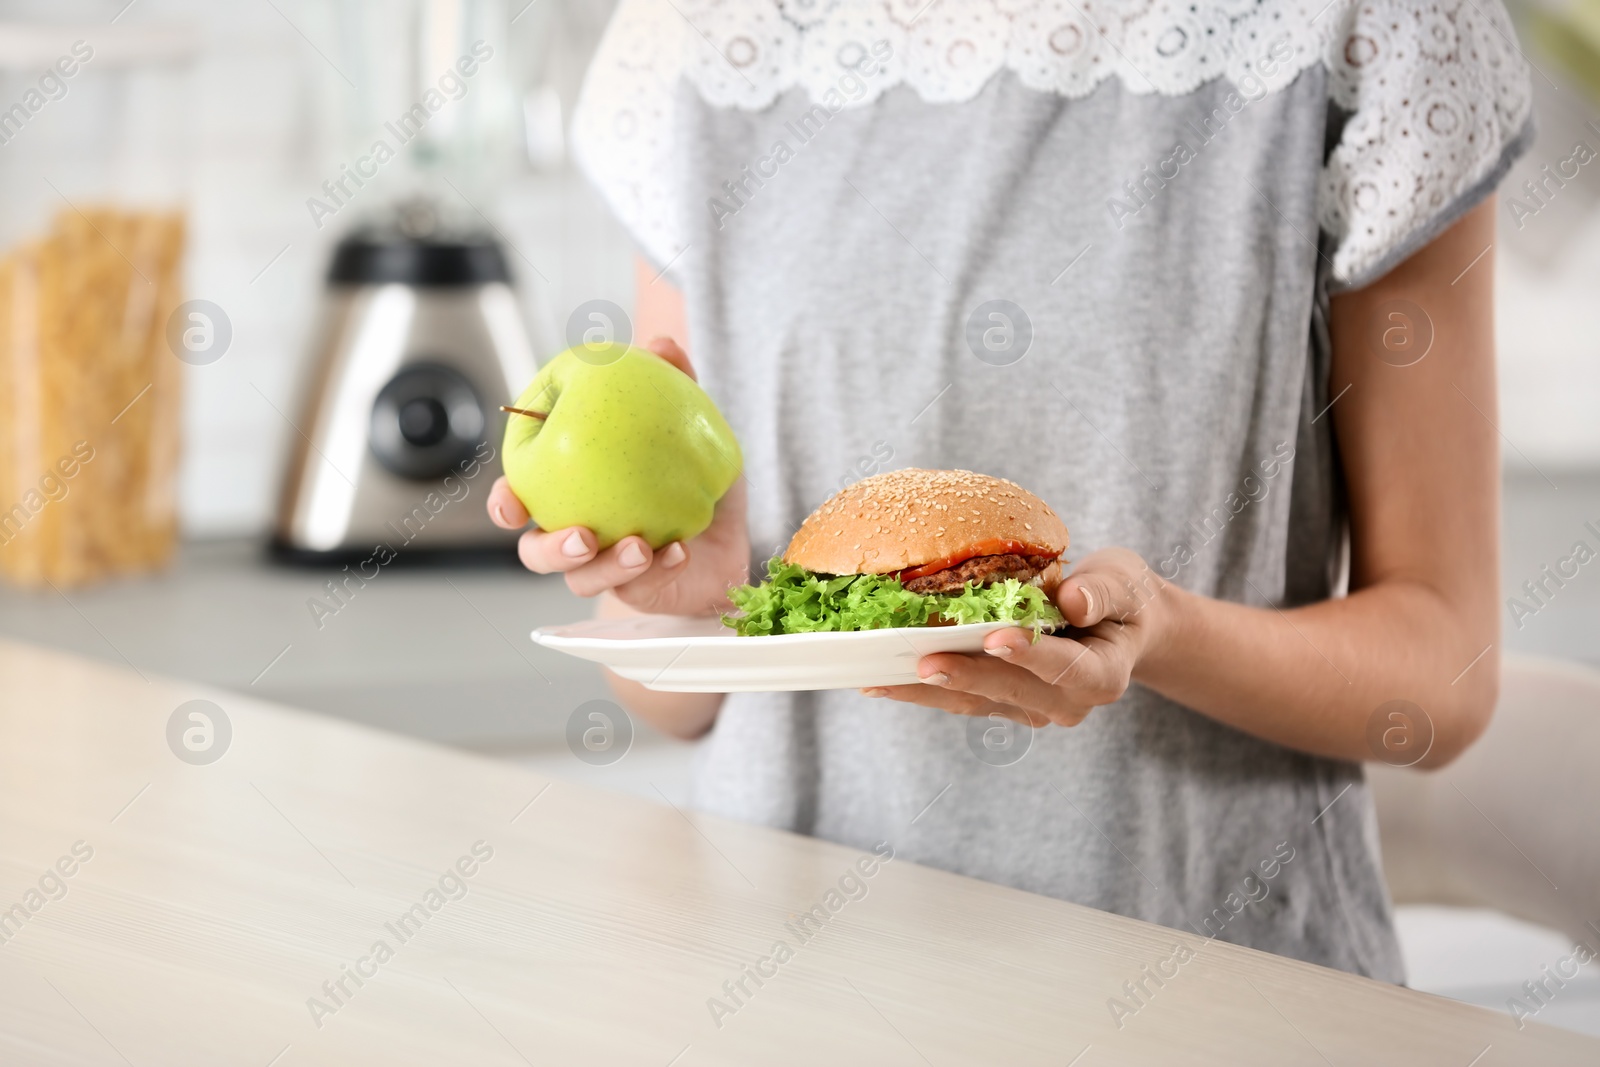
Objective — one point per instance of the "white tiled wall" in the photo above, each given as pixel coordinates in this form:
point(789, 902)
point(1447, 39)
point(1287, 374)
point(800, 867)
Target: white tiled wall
point(253, 152)
point(264, 107)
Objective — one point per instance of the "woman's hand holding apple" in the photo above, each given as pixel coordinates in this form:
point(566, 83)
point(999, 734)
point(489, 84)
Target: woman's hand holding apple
point(679, 579)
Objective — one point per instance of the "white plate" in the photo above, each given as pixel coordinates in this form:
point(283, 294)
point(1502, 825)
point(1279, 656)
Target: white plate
point(700, 655)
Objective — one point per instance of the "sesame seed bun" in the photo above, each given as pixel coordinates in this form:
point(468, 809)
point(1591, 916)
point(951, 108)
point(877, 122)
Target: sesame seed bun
point(908, 518)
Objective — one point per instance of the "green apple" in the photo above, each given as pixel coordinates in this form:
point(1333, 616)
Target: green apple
point(628, 445)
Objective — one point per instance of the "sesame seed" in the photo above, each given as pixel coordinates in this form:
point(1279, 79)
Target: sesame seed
point(899, 501)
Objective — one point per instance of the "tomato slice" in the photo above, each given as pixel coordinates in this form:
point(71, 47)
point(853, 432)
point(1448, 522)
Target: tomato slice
point(995, 546)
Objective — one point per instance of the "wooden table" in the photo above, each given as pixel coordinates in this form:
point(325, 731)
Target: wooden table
point(217, 900)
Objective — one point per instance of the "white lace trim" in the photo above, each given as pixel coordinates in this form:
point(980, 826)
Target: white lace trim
point(1437, 91)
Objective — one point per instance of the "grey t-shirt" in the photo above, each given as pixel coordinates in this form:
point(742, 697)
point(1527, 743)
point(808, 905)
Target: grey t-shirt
point(1110, 291)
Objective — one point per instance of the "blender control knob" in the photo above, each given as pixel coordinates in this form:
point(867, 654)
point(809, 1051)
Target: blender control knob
point(426, 421)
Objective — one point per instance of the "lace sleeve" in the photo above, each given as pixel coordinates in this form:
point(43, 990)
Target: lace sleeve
point(1438, 106)
point(625, 124)
point(1434, 93)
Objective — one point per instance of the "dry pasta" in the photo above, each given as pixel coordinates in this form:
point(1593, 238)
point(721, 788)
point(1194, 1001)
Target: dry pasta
point(89, 397)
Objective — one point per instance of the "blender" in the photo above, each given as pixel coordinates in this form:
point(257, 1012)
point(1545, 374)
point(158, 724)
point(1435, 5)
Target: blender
point(422, 334)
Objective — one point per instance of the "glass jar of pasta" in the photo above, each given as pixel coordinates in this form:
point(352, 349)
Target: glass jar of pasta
point(93, 167)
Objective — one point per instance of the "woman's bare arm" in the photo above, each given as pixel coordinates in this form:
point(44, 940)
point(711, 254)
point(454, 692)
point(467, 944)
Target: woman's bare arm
point(682, 715)
point(630, 577)
point(1421, 458)
point(658, 309)
point(659, 312)
point(1422, 461)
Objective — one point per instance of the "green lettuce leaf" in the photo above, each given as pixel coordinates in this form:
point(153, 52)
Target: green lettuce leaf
point(794, 601)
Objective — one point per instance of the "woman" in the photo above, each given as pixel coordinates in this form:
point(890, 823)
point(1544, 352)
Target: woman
point(1215, 283)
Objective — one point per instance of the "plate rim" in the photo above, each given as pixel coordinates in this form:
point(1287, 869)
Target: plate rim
point(541, 637)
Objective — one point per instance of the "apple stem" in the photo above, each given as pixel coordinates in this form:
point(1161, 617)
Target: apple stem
point(529, 414)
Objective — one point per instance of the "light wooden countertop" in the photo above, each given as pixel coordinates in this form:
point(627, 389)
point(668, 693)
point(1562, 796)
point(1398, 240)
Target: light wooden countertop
point(217, 899)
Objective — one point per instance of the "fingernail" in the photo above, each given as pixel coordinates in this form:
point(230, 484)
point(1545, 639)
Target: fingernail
point(999, 650)
point(1088, 601)
point(500, 515)
point(674, 555)
point(874, 692)
point(631, 555)
point(937, 678)
point(574, 545)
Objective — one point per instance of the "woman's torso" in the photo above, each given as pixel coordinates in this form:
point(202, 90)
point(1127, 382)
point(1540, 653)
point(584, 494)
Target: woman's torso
point(1157, 372)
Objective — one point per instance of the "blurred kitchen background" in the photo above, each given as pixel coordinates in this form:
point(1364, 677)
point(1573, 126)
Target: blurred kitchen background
point(239, 112)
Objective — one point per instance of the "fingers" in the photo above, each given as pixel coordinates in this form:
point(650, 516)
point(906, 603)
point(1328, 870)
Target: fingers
point(556, 551)
point(505, 510)
point(957, 703)
point(1035, 719)
point(1087, 599)
point(1052, 679)
point(988, 679)
point(932, 697)
point(1113, 584)
point(629, 568)
point(673, 353)
point(1092, 669)
point(665, 568)
point(624, 561)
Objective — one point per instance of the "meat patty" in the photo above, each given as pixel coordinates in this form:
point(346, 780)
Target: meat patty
point(982, 570)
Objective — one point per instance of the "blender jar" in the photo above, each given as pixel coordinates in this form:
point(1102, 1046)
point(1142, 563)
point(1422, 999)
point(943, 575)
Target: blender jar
point(93, 165)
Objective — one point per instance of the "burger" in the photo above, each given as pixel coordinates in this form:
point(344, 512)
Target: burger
point(912, 548)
